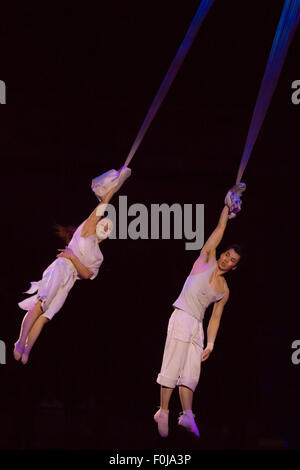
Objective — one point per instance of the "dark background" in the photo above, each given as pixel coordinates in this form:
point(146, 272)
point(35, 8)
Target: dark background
point(80, 80)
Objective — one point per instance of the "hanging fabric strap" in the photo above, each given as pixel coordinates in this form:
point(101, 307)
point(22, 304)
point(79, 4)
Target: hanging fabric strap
point(285, 31)
point(171, 74)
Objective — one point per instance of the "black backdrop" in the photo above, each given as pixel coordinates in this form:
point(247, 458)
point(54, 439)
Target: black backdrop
point(81, 79)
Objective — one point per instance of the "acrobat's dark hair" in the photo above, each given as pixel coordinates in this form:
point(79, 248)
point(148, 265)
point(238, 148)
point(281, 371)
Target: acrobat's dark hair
point(65, 232)
point(237, 248)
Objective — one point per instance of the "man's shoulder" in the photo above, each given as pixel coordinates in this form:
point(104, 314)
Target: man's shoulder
point(226, 288)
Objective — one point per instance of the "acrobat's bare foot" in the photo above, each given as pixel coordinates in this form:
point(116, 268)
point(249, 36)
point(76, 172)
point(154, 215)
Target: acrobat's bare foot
point(25, 356)
point(18, 351)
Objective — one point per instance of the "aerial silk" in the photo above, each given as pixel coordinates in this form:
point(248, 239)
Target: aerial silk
point(171, 74)
point(285, 31)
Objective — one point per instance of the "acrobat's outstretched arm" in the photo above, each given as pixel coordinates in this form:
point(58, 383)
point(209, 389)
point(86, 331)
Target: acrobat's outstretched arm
point(89, 227)
point(232, 207)
point(209, 248)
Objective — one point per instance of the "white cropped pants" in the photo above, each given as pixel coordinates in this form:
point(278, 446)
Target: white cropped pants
point(181, 362)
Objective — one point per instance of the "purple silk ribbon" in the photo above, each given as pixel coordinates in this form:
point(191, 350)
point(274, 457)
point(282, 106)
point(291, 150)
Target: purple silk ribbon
point(284, 34)
point(171, 74)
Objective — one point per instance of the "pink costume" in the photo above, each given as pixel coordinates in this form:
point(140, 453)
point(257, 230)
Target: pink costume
point(60, 276)
point(184, 344)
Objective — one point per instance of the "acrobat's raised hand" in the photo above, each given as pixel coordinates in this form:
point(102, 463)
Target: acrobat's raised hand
point(233, 199)
point(112, 179)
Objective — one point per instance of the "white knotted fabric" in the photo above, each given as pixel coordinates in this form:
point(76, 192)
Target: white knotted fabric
point(112, 179)
point(101, 185)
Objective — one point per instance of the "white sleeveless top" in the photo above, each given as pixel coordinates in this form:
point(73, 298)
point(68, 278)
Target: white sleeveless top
point(87, 250)
point(197, 294)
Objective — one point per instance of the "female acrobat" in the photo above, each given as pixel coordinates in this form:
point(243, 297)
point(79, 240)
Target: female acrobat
point(81, 259)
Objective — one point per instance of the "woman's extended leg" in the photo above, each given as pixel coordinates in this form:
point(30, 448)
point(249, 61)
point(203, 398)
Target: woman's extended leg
point(28, 321)
point(51, 286)
point(32, 337)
